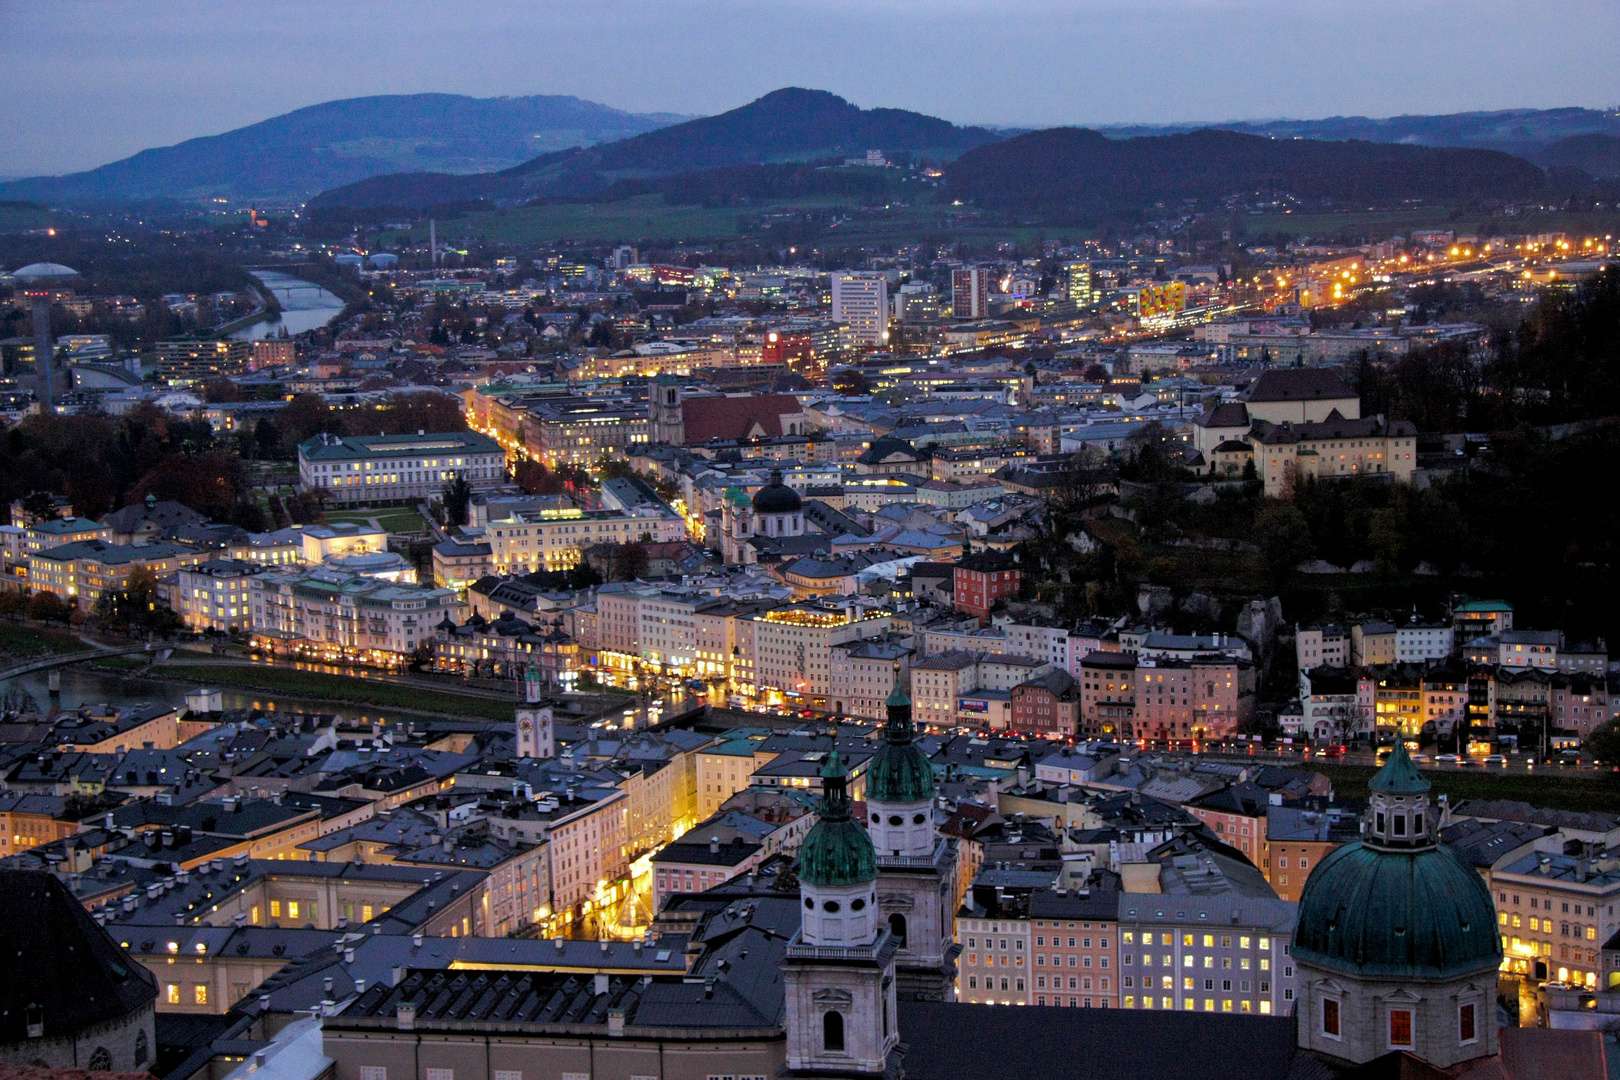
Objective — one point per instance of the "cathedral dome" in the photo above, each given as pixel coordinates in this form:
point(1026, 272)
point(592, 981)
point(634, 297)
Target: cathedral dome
point(1397, 904)
point(899, 771)
point(776, 497)
point(1422, 914)
point(836, 852)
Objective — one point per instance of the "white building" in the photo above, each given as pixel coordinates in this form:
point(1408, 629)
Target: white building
point(330, 614)
point(214, 595)
point(860, 301)
point(1417, 642)
point(791, 647)
point(365, 469)
point(529, 540)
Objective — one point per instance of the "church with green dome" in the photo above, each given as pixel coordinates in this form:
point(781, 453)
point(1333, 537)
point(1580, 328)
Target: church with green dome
point(1396, 941)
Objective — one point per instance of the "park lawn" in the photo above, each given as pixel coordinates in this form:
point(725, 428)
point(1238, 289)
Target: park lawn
point(341, 689)
point(20, 640)
point(401, 521)
point(1555, 789)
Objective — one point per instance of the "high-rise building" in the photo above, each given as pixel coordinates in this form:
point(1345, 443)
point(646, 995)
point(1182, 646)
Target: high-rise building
point(1081, 285)
point(860, 300)
point(970, 292)
point(193, 360)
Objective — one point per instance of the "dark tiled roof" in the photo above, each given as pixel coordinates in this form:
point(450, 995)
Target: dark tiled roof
point(1299, 384)
point(77, 976)
point(708, 418)
point(1228, 414)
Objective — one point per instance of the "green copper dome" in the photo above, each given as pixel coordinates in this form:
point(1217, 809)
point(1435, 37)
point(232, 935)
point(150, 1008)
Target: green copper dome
point(1410, 914)
point(900, 771)
point(836, 852)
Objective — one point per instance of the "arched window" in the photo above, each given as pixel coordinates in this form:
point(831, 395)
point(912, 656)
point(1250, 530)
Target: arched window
point(141, 1049)
point(101, 1060)
point(897, 927)
point(832, 1032)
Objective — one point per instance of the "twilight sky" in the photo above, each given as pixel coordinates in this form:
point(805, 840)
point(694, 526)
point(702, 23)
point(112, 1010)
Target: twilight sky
point(91, 81)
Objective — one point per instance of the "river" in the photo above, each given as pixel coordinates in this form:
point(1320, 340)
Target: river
point(87, 686)
point(304, 306)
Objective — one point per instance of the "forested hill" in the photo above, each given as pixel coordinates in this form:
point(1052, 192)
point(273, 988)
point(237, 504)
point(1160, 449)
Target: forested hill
point(337, 142)
point(1072, 174)
point(786, 125)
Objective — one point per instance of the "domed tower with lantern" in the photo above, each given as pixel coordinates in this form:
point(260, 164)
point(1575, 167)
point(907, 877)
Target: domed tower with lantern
point(916, 866)
point(838, 975)
point(1396, 941)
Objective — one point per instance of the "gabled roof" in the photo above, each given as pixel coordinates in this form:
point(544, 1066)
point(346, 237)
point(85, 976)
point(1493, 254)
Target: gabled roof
point(1229, 414)
point(709, 418)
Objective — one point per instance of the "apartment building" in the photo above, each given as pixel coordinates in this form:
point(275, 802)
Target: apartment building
point(383, 468)
point(1048, 705)
point(190, 361)
point(580, 431)
point(530, 540)
point(860, 302)
point(90, 569)
point(1108, 694)
point(792, 647)
point(1075, 946)
point(937, 682)
point(1555, 912)
point(331, 614)
point(214, 595)
point(1419, 642)
point(863, 674)
point(1321, 646)
point(1218, 953)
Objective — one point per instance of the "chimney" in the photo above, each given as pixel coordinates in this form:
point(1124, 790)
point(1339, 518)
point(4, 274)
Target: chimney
point(615, 1023)
point(405, 1016)
point(416, 940)
point(601, 983)
point(714, 845)
point(397, 974)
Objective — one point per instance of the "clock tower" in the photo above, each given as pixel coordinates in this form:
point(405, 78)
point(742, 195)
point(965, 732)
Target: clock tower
point(534, 734)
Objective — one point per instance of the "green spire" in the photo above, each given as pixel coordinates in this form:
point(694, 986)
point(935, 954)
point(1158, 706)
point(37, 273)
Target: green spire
point(836, 852)
point(1399, 776)
point(835, 804)
point(899, 771)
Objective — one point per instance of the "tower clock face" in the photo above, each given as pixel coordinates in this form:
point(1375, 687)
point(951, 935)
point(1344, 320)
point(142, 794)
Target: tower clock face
point(526, 724)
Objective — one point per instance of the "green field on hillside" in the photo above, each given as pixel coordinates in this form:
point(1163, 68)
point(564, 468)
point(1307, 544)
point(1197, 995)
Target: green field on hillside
point(627, 219)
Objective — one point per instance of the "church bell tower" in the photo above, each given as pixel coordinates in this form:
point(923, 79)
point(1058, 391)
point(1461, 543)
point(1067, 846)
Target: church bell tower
point(534, 734)
point(838, 974)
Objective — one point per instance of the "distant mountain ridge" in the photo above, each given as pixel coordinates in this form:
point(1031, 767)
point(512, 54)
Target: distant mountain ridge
point(323, 146)
point(788, 125)
point(1073, 174)
point(1526, 133)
